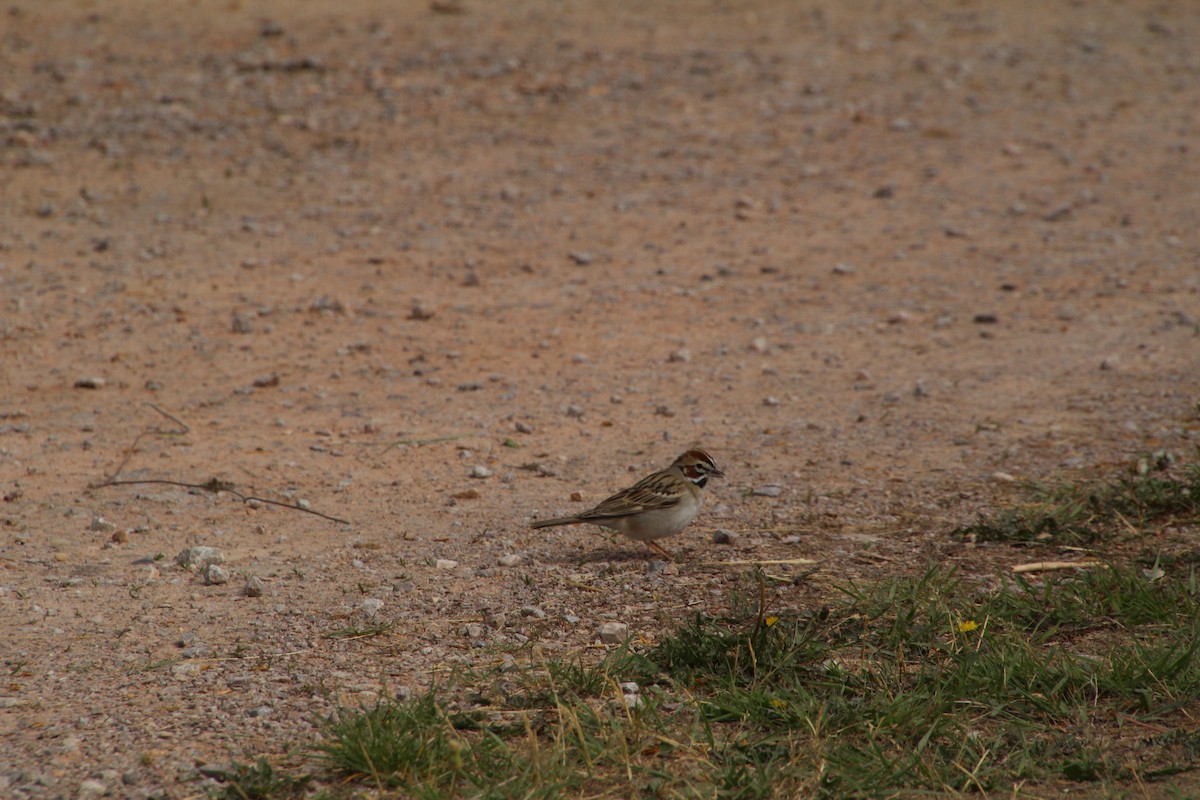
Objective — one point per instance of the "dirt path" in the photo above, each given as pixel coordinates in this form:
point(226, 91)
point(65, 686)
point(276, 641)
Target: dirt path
point(871, 258)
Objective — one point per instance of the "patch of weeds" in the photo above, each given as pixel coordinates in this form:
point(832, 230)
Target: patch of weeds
point(394, 744)
point(1067, 513)
point(577, 677)
point(1060, 515)
point(261, 781)
point(1119, 594)
point(928, 684)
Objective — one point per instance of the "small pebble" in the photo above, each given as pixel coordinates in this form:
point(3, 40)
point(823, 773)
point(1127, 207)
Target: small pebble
point(445, 563)
point(723, 536)
point(682, 355)
point(510, 560)
point(90, 382)
point(371, 607)
point(770, 401)
point(101, 525)
point(1003, 477)
point(200, 556)
point(574, 410)
point(255, 587)
point(215, 575)
point(197, 650)
point(613, 632)
point(985, 319)
point(523, 427)
point(480, 471)
point(629, 687)
point(92, 788)
point(533, 611)
point(769, 490)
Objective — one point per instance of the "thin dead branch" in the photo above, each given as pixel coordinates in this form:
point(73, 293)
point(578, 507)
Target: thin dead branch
point(217, 486)
point(214, 485)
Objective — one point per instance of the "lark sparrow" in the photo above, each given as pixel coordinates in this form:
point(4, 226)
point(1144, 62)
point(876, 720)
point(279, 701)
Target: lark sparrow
point(659, 505)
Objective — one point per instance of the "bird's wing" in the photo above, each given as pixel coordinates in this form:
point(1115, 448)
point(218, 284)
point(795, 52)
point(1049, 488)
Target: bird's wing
point(652, 493)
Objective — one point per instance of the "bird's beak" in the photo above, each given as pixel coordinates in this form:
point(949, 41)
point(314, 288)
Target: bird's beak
point(717, 471)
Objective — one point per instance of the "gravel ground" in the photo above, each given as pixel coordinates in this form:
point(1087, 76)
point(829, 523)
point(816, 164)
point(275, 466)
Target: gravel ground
point(436, 270)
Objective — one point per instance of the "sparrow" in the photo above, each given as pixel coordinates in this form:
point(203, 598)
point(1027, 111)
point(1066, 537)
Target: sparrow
point(659, 505)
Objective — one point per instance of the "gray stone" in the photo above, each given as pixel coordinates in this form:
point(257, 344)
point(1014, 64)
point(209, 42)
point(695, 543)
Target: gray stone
point(199, 557)
point(215, 575)
point(613, 632)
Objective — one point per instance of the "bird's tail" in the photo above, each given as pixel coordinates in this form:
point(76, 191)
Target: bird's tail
point(550, 523)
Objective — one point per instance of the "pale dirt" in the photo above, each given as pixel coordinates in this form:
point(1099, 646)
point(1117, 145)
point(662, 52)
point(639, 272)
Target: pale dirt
point(813, 200)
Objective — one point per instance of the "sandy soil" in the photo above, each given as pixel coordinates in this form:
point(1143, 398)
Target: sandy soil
point(869, 253)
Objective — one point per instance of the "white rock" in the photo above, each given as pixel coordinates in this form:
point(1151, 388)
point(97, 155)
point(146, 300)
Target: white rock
point(371, 607)
point(215, 575)
point(630, 687)
point(480, 471)
point(199, 557)
point(510, 560)
point(613, 632)
point(770, 490)
point(92, 788)
point(182, 672)
point(445, 563)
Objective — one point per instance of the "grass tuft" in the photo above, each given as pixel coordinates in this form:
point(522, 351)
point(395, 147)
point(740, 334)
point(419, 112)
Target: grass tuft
point(1067, 513)
point(261, 781)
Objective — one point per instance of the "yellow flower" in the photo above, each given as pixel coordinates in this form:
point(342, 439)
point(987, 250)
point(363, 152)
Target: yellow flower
point(967, 625)
point(779, 703)
point(769, 621)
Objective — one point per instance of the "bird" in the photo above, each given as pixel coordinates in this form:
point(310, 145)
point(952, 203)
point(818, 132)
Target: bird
point(659, 505)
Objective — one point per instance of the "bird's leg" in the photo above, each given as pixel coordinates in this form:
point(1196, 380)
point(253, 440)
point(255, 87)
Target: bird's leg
point(660, 549)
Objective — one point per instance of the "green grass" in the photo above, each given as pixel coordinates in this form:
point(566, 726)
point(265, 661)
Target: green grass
point(930, 684)
point(261, 781)
point(1068, 513)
